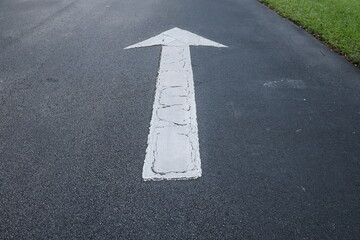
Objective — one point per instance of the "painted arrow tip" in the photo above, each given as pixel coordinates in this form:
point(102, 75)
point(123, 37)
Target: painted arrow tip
point(176, 37)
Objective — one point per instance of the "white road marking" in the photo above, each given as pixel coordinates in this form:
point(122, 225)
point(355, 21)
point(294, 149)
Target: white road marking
point(173, 144)
point(286, 83)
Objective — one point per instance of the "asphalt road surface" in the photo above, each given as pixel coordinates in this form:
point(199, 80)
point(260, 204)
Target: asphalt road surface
point(278, 116)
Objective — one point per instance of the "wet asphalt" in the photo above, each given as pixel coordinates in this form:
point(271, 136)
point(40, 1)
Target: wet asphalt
point(278, 115)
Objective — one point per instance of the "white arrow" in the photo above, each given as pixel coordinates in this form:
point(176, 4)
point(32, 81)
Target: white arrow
point(173, 144)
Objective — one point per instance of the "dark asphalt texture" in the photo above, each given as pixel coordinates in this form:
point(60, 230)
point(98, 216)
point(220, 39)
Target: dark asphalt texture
point(278, 162)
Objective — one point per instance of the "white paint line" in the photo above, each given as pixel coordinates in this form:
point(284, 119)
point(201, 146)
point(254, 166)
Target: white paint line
point(173, 144)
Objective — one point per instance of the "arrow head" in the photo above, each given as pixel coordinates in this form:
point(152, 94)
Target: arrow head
point(176, 37)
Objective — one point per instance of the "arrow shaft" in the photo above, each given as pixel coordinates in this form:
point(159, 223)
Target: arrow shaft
point(173, 145)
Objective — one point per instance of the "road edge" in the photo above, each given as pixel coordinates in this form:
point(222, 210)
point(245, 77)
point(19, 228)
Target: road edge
point(314, 34)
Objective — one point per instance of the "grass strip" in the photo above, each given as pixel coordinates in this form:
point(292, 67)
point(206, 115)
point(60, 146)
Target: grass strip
point(336, 22)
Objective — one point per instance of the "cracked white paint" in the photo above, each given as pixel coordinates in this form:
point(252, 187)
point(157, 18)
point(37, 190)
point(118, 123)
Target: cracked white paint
point(173, 144)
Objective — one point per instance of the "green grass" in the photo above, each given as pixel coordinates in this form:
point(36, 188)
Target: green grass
point(337, 22)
